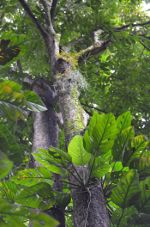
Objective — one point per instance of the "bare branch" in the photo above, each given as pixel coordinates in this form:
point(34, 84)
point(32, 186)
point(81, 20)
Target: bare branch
point(93, 50)
point(117, 29)
point(92, 107)
point(47, 7)
point(33, 18)
point(53, 9)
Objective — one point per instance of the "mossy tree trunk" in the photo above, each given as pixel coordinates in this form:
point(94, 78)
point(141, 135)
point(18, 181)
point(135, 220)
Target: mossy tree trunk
point(89, 206)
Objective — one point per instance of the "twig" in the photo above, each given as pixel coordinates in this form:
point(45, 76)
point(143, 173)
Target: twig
point(92, 107)
point(117, 29)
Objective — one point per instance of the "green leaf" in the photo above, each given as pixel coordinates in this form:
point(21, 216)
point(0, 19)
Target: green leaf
point(138, 144)
point(10, 211)
point(100, 168)
point(143, 201)
point(144, 162)
point(5, 165)
point(124, 121)
point(30, 177)
point(101, 134)
point(36, 196)
point(77, 152)
point(121, 144)
point(61, 154)
point(116, 166)
point(8, 190)
point(127, 187)
point(125, 133)
point(43, 157)
point(121, 217)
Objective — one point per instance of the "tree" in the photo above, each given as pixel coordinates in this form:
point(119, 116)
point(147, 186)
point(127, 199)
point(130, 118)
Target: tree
point(68, 49)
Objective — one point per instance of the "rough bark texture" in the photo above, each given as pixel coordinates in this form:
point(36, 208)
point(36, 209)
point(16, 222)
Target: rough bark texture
point(74, 117)
point(88, 201)
point(45, 135)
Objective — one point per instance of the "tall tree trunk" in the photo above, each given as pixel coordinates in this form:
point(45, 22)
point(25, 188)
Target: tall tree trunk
point(45, 135)
point(88, 201)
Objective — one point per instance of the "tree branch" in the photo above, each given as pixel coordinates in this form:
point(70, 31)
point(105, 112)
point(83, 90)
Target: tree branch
point(92, 107)
point(117, 29)
point(33, 18)
point(53, 9)
point(145, 46)
point(93, 50)
point(99, 47)
point(48, 7)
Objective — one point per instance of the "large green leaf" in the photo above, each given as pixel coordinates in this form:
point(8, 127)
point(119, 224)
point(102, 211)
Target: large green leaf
point(10, 211)
point(127, 187)
point(101, 167)
point(77, 152)
point(121, 144)
point(5, 165)
point(144, 162)
point(48, 161)
point(125, 133)
point(101, 134)
point(36, 196)
point(30, 177)
point(8, 190)
point(124, 121)
point(138, 145)
point(143, 201)
point(121, 217)
point(62, 155)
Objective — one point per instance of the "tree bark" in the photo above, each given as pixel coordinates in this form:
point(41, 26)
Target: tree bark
point(45, 134)
point(88, 200)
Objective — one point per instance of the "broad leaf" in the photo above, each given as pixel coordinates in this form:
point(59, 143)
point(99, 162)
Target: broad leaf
point(101, 134)
point(37, 196)
point(138, 145)
point(5, 165)
point(125, 133)
point(126, 189)
point(121, 144)
point(143, 201)
point(121, 217)
point(48, 161)
point(77, 152)
point(30, 177)
point(100, 168)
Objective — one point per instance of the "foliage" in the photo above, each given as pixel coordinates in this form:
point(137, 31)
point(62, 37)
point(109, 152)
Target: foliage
point(118, 81)
point(125, 179)
point(14, 100)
